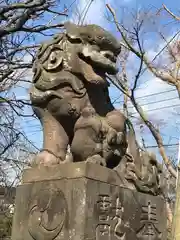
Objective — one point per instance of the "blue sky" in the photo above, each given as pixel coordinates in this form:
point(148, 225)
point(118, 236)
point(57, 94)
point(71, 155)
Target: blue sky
point(148, 84)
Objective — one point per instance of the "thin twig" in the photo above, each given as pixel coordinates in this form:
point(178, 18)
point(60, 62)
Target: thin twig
point(171, 13)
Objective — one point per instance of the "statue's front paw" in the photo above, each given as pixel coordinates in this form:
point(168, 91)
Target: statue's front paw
point(114, 138)
point(45, 158)
point(97, 159)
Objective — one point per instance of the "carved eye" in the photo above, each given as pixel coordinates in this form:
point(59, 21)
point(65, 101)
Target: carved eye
point(54, 60)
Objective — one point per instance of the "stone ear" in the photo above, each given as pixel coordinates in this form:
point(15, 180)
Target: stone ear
point(71, 30)
point(69, 25)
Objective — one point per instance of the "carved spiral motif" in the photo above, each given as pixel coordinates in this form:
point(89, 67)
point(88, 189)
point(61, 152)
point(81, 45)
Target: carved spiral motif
point(47, 214)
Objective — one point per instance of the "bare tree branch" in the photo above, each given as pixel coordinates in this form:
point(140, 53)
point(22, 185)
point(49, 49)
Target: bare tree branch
point(171, 13)
point(21, 25)
point(159, 73)
point(130, 93)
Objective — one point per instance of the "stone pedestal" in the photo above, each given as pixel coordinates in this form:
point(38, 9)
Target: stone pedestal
point(84, 201)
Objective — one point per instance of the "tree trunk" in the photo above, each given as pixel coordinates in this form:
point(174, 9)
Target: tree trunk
point(176, 218)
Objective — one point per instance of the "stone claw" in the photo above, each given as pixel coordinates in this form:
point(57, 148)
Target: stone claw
point(112, 138)
point(131, 171)
point(129, 158)
point(130, 166)
point(119, 138)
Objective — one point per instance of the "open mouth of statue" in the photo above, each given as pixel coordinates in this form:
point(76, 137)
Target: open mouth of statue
point(102, 61)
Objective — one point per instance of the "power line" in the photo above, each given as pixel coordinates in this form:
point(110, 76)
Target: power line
point(153, 94)
point(156, 109)
point(165, 145)
point(163, 100)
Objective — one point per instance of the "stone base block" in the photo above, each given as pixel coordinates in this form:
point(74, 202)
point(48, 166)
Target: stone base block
point(84, 201)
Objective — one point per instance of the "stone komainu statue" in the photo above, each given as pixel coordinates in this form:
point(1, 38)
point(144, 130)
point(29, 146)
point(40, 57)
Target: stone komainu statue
point(71, 99)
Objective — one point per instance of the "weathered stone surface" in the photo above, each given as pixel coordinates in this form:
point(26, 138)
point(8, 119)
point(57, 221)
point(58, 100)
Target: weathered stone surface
point(84, 201)
point(96, 190)
point(70, 96)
